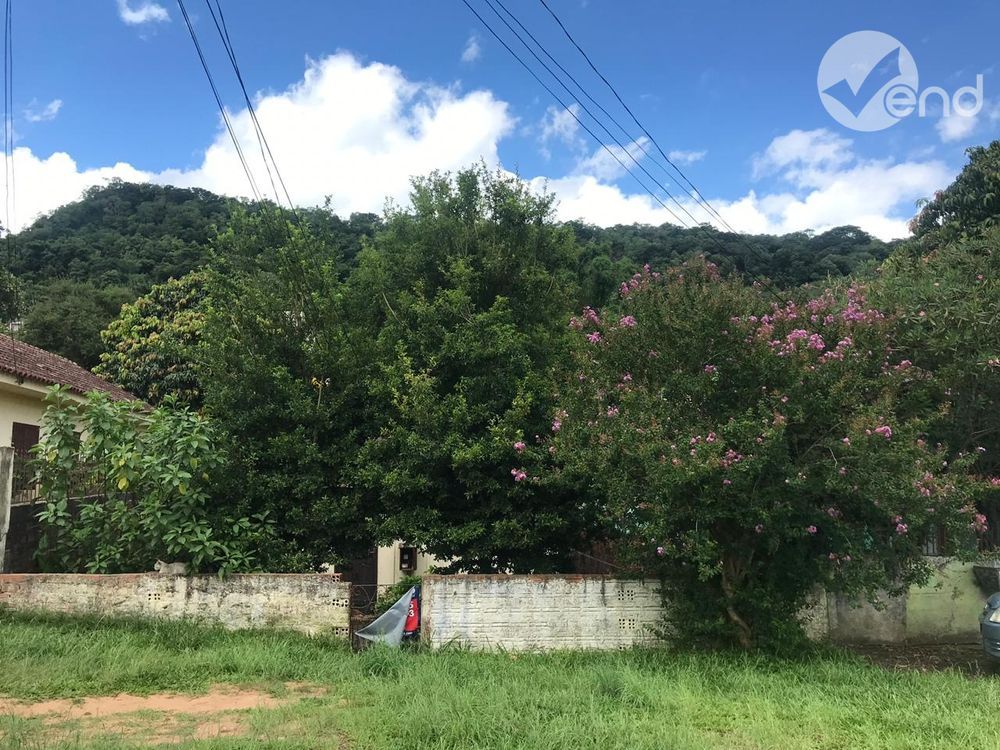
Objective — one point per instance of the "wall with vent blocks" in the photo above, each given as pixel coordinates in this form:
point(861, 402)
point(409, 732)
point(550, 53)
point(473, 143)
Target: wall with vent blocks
point(313, 604)
point(539, 612)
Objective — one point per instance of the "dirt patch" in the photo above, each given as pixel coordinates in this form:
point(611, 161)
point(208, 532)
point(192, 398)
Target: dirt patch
point(212, 702)
point(163, 718)
point(968, 659)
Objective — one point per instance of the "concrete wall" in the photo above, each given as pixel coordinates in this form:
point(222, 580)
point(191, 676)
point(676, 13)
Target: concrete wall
point(313, 604)
point(538, 612)
point(565, 612)
point(946, 610)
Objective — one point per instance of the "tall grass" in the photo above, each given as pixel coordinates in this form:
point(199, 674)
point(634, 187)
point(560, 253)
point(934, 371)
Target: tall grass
point(382, 698)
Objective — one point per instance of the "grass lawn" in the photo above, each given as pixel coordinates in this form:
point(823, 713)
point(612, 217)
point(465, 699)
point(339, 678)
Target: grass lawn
point(322, 695)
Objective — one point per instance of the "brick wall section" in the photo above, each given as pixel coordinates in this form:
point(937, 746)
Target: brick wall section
point(528, 612)
point(312, 604)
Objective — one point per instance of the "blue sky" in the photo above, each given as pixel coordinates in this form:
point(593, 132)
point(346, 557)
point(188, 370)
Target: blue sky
point(354, 97)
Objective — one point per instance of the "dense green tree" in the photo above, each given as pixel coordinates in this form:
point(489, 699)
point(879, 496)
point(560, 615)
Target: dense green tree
point(464, 299)
point(150, 348)
point(281, 376)
point(66, 317)
point(969, 205)
point(10, 296)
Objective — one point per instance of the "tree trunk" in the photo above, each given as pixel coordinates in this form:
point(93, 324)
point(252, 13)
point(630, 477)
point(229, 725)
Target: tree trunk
point(732, 575)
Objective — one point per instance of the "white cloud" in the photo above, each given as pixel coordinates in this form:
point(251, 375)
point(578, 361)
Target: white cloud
point(351, 131)
point(959, 127)
point(358, 132)
point(822, 184)
point(686, 157)
point(956, 127)
point(144, 12)
point(560, 124)
point(472, 51)
point(606, 163)
point(45, 114)
point(45, 184)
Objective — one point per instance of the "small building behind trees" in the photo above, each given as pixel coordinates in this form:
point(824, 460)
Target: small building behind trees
point(26, 373)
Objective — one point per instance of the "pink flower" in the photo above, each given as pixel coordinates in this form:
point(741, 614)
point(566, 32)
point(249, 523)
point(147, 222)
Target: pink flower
point(901, 528)
point(556, 425)
point(726, 482)
point(627, 377)
point(519, 446)
point(811, 529)
point(710, 438)
point(594, 337)
point(711, 369)
point(627, 322)
point(885, 431)
point(518, 474)
point(759, 528)
point(660, 552)
point(612, 411)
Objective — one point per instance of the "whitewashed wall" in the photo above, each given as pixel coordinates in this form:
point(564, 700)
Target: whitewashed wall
point(539, 612)
point(313, 604)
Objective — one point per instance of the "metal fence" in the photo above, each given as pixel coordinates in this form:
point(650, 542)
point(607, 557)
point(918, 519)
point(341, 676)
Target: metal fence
point(24, 489)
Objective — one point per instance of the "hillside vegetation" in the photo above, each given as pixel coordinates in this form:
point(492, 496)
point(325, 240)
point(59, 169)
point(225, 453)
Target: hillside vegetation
point(79, 264)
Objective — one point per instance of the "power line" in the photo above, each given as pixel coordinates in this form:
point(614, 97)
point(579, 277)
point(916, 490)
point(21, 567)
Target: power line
point(265, 147)
point(563, 104)
point(10, 182)
point(710, 235)
point(596, 119)
point(693, 191)
point(218, 101)
point(583, 91)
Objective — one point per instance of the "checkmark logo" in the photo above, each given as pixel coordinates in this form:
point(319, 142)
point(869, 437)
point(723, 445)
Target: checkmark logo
point(857, 74)
point(885, 70)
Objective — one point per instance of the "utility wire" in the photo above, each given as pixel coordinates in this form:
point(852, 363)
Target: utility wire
point(584, 93)
point(265, 148)
point(698, 225)
point(565, 106)
point(691, 189)
point(8, 128)
point(625, 149)
point(218, 101)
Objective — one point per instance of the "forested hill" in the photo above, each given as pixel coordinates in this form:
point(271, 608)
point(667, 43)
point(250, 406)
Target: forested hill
point(788, 260)
point(121, 235)
point(136, 235)
point(77, 265)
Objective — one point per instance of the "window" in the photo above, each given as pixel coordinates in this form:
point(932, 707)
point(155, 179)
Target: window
point(23, 438)
point(408, 559)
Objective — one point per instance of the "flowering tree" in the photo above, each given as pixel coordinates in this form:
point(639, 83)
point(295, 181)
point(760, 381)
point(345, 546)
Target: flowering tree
point(749, 452)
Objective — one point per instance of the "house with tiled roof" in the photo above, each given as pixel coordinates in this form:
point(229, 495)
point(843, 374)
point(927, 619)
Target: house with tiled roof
point(26, 374)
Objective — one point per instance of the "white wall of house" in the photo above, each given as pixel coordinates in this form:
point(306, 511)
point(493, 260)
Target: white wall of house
point(388, 572)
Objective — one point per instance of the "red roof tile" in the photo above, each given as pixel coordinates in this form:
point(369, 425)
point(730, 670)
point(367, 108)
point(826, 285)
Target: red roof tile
point(31, 363)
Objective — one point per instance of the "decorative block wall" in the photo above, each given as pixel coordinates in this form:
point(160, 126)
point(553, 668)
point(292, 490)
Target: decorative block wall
point(532, 612)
